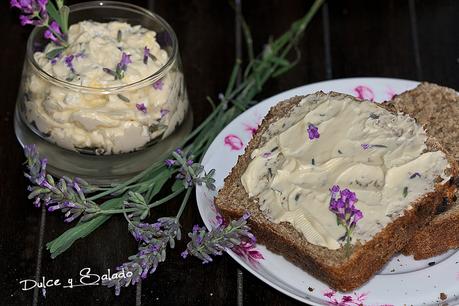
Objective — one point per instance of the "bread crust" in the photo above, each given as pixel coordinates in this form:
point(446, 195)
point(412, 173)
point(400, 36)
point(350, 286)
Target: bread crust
point(331, 266)
point(439, 236)
point(437, 108)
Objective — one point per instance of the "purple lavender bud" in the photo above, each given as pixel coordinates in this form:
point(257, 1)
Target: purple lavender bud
point(36, 203)
point(365, 146)
point(246, 215)
point(313, 132)
point(53, 208)
point(158, 85)
point(68, 204)
point(220, 220)
point(266, 154)
point(358, 215)
point(196, 228)
point(52, 31)
point(125, 61)
point(169, 162)
point(189, 181)
point(184, 254)
point(179, 151)
point(23, 5)
point(69, 219)
point(155, 248)
point(25, 20)
point(69, 62)
point(334, 189)
point(141, 107)
point(189, 162)
point(156, 226)
point(146, 55)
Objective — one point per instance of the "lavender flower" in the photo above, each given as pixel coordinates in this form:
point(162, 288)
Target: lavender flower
point(158, 85)
point(235, 236)
point(34, 11)
point(69, 62)
point(313, 132)
point(29, 6)
point(347, 214)
point(365, 146)
point(125, 61)
point(66, 195)
point(121, 67)
point(141, 107)
point(190, 173)
point(153, 239)
point(54, 33)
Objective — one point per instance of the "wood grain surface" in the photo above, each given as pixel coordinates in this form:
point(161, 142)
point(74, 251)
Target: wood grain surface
point(412, 39)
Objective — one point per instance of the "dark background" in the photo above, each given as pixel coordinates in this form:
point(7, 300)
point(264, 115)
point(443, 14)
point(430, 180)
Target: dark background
point(411, 39)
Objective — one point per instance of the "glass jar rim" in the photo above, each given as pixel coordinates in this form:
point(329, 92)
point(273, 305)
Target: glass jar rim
point(109, 90)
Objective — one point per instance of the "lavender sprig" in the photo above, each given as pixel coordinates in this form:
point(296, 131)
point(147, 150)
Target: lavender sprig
point(43, 13)
point(154, 239)
point(66, 195)
point(347, 214)
point(190, 173)
point(121, 67)
point(236, 235)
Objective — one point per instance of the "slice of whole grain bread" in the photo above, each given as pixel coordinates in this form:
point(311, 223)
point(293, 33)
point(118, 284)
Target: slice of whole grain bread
point(437, 108)
point(332, 266)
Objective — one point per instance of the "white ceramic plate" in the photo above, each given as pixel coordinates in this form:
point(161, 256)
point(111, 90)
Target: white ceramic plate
point(402, 281)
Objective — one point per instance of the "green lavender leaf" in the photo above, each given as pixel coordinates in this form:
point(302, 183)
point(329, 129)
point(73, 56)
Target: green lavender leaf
point(64, 13)
point(53, 12)
point(55, 52)
point(60, 3)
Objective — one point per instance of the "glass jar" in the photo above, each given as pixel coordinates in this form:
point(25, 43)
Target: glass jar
point(104, 133)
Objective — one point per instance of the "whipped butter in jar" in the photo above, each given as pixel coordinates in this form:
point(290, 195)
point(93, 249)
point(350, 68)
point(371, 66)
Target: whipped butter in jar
point(111, 103)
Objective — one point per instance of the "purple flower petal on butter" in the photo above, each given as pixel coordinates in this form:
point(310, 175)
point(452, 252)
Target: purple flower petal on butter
point(158, 85)
point(141, 107)
point(313, 132)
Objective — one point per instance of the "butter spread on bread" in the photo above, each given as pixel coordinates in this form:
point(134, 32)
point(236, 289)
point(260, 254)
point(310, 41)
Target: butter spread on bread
point(379, 155)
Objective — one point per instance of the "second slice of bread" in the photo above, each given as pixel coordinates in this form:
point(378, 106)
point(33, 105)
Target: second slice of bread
point(331, 266)
point(437, 108)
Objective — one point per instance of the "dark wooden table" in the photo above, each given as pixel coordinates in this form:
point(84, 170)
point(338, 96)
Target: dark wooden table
point(411, 39)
